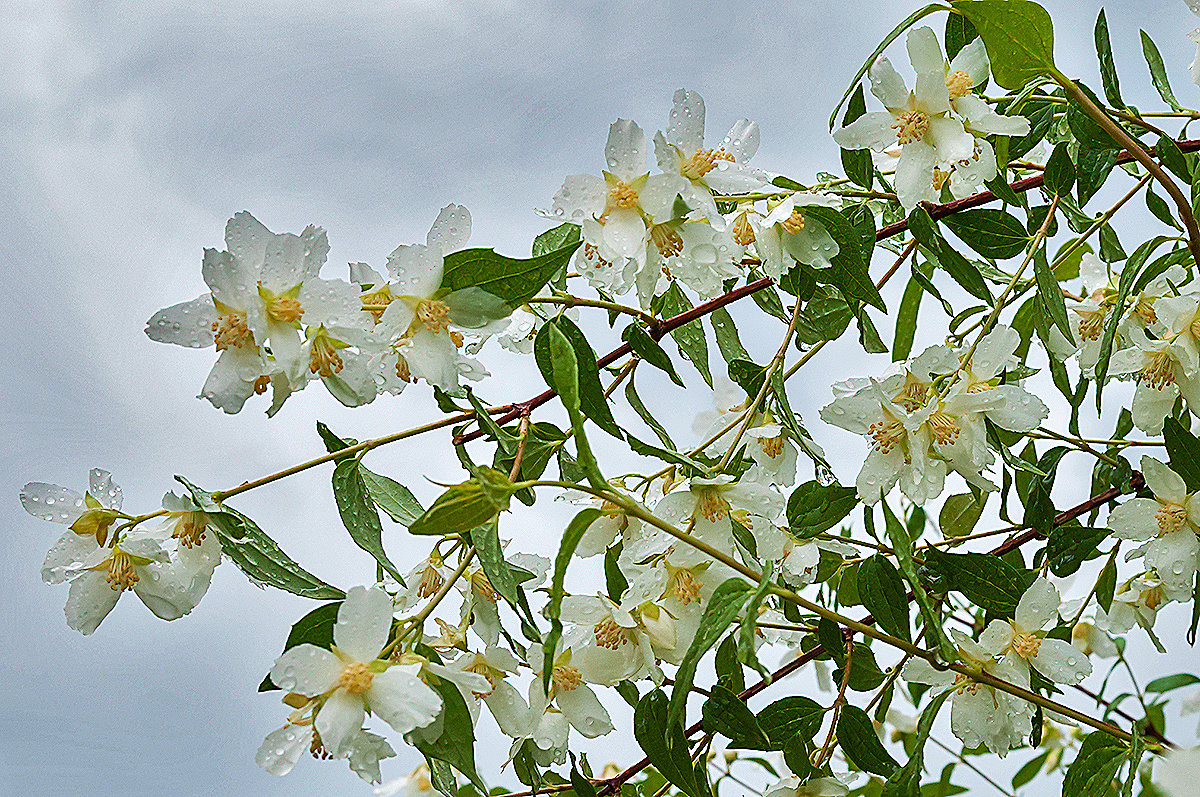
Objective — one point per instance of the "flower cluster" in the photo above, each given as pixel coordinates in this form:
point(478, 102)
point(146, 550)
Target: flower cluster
point(925, 417)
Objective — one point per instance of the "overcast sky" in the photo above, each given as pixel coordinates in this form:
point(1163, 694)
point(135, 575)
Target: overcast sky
point(133, 131)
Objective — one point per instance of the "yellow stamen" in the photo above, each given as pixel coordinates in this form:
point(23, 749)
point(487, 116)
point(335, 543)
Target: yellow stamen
point(1091, 324)
point(379, 299)
point(1025, 645)
point(484, 588)
point(771, 446)
point(566, 677)
point(959, 83)
point(1170, 517)
point(743, 232)
point(913, 395)
point(592, 255)
point(940, 176)
point(356, 678)
point(121, 575)
point(944, 428)
point(682, 585)
point(317, 748)
point(231, 332)
point(712, 506)
point(1160, 371)
point(623, 195)
point(431, 580)
point(702, 162)
point(434, 315)
point(190, 528)
point(793, 223)
point(323, 357)
point(667, 239)
point(911, 125)
point(609, 635)
point(261, 384)
point(887, 435)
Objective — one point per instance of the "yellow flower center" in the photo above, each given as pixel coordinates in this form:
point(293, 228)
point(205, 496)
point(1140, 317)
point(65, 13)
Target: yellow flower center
point(702, 162)
point(1160, 371)
point(434, 315)
point(609, 635)
point(379, 299)
point(963, 683)
point(190, 528)
point(959, 83)
point(483, 587)
point(887, 435)
point(592, 255)
point(940, 176)
point(667, 239)
point(911, 125)
point(283, 308)
point(793, 223)
point(356, 678)
point(683, 586)
point(121, 575)
point(944, 428)
point(743, 232)
point(1170, 517)
point(1144, 310)
point(771, 446)
point(1025, 645)
point(323, 356)
point(566, 677)
point(1091, 324)
point(431, 581)
point(623, 195)
point(712, 506)
point(913, 395)
point(231, 332)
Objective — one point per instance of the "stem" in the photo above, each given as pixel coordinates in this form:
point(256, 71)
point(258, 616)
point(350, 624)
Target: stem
point(1139, 154)
point(575, 301)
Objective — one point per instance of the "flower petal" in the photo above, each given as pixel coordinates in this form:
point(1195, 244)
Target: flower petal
point(283, 747)
point(584, 711)
point(306, 669)
point(450, 229)
point(89, 602)
point(363, 622)
point(1061, 662)
point(185, 324)
point(625, 152)
point(51, 502)
point(1166, 484)
point(887, 85)
point(1038, 607)
point(1135, 519)
point(339, 719)
point(869, 131)
point(685, 127)
point(403, 700)
point(102, 488)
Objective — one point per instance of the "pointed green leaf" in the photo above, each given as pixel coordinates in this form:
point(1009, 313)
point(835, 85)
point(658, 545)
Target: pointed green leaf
point(1018, 35)
point(359, 515)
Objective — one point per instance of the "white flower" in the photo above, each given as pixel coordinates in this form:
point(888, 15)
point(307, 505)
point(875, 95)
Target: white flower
point(1138, 601)
point(415, 784)
point(722, 169)
point(707, 505)
point(570, 693)
point(1170, 522)
point(1194, 35)
point(263, 289)
point(1164, 368)
point(786, 233)
point(350, 678)
point(608, 644)
point(415, 327)
point(699, 255)
point(813, 787)
point(99, 573)
point(770, 446)
point(282, 748)
point(615, 211)
point(1023, 641)
point(980, 714)
point(1176, 772)
point(919, 120)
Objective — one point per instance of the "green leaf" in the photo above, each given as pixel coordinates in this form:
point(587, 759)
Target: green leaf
point(959, 33)
point(556, 238)
point(566, 550)
point(1085, 129)
point(512, 280)
point(857, 737)
point(1095, 165)
point(455, 740)
point(868, 335)
point(906, 319)
point(1106, 585)
point(747, 633)
point(723, 713)
point(964, 272)
point(694, 467)
point(256, 554)
point(1100, 756)
point(1124, 287)
point(849, 269)
point(908, 22)
point(987, 581)
point(664, 744)
point(1051, 296)
point(1158, 73)
point(648, 349)
point(591, 399)
point(1171, 156)
point(692, 342)
point(486, 539)
point(902, 544)
point(314, 628)
point(728, 340)
point(814, 507)
point(462, 508)
point(1069, 546)
point(884, 595)
point(359, 515)
point(726, 601)
point(857, 163)
point(1168, 683)
point(392, 497)
point(990, 232)
point(789, 719)
point(1060, 172)
point(905, 782)
point(1108, 69)
point(825, 316)
point(635, 401)
point(960, 513)
point(1018, 35)
point(1183, 449)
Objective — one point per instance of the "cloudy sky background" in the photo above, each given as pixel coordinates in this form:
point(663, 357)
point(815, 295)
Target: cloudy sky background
point(135, 130)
